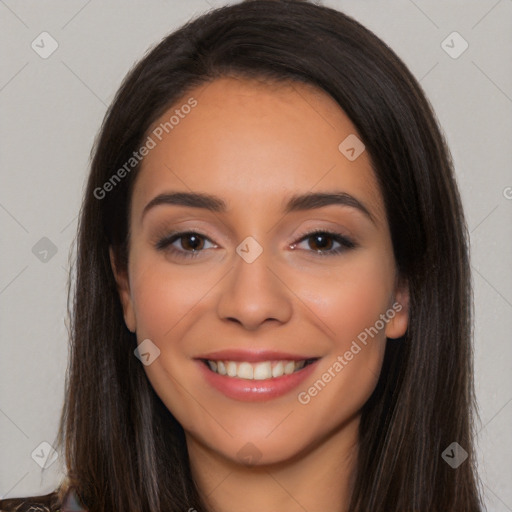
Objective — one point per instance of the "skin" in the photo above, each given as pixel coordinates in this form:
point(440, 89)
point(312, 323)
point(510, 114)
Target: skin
point(254, 145)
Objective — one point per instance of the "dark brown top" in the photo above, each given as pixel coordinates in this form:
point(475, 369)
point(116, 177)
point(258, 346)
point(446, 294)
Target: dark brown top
point(46, 503)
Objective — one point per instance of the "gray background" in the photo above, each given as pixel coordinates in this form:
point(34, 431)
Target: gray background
point(51, 110)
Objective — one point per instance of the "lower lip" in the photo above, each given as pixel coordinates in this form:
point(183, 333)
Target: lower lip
point(256, 390)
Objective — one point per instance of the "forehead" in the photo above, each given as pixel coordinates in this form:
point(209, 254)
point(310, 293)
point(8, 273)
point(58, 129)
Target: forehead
point(249, 141)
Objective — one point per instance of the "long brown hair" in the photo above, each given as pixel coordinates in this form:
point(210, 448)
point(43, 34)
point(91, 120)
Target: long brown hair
point(124, 449)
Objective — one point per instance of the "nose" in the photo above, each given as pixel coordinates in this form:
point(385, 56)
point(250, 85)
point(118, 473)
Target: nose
point(254, 294)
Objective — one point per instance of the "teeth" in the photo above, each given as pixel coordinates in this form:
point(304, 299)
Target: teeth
point(289, 367)
point(255, 371)
point(221, 368)
point(262, 371)
point(278, 370)
point(245, 371)
point(231, 369)
point(300, 365)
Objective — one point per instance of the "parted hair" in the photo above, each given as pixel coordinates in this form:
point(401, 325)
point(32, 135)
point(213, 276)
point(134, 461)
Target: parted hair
point(124, 450)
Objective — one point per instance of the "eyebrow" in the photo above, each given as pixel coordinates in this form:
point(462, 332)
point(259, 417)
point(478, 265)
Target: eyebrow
point(300, 202)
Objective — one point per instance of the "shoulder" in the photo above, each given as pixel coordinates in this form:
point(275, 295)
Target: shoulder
point(46, 503)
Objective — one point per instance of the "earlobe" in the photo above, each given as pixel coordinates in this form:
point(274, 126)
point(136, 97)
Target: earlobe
point(399, 314)
point(123, 288)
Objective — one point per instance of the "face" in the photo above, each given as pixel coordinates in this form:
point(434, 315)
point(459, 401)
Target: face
point(283, 277)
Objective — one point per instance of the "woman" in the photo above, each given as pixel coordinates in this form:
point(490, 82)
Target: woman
point(272, 298)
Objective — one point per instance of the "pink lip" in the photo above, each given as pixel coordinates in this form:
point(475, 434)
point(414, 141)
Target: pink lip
point(252, 356)
point(255, 390)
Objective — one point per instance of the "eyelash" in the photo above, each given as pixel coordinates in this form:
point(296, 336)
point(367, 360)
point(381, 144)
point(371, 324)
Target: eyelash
point(345, 243)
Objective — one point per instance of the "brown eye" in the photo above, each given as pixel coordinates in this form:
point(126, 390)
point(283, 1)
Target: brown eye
point(321, 242)
point(191, 242)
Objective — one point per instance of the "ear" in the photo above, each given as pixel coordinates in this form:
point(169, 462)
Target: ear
point(398, 322)
point(123, 287)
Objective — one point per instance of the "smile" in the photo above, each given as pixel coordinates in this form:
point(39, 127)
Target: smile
point(255, 375)
point(262, 370)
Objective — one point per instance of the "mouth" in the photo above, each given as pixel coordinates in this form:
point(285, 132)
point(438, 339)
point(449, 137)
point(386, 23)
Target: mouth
point(262, 370)
point(255, 375)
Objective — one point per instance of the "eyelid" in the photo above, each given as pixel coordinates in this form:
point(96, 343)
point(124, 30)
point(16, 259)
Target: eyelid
point(346, 242)
point(166, 242)
point(167, 239)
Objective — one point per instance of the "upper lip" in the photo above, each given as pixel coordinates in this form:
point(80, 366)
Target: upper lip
point(252, 355)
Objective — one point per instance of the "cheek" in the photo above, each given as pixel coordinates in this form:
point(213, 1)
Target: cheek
point(351, 298)
point(351, 305)
point(164, 295)
point(350, 302)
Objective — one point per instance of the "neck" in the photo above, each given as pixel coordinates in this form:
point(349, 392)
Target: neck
point(316, 480)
